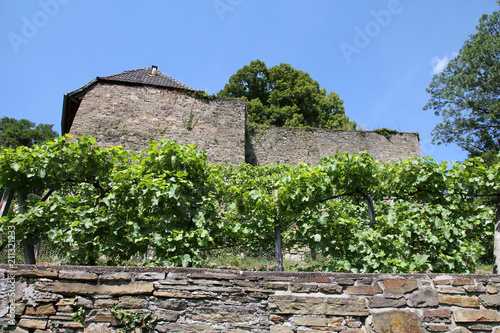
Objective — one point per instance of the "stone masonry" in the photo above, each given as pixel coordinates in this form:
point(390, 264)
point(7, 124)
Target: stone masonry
point(132, 116)
point(201, 300)
point(294, 145)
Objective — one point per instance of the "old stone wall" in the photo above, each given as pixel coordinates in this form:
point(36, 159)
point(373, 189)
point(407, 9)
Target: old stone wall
point(49, 299)
point(132, 116)
point(294, 145)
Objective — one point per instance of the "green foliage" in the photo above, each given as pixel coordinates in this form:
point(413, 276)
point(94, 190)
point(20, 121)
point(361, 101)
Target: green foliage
point(133, 319)
point(79, 315)
point(190, 122)
point(467, 93)
point(15, 133)
point(200, 94)
point(168, 202)
point(388, 133)
point(284, 96)
point(108, 202)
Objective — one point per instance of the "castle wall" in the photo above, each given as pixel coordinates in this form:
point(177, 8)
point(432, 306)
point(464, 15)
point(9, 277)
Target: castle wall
point(294, 145)
point(42, 298)
point(132, 116)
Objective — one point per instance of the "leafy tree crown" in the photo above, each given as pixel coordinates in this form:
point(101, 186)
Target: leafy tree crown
point(467, 93)
point(15, 133)
point(284, 96)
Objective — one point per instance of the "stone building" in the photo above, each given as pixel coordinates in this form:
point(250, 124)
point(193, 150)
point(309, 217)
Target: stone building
point(135, 107)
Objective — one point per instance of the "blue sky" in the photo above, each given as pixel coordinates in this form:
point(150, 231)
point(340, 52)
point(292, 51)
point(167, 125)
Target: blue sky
point(378, 55)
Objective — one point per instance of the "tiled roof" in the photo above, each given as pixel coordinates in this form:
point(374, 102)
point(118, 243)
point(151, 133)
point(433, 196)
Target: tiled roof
point(143, 76)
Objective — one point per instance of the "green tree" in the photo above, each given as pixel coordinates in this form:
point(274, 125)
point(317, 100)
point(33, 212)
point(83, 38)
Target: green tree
point(467, 93)
point(22, 133)
point(284, 96)
point(15, 133)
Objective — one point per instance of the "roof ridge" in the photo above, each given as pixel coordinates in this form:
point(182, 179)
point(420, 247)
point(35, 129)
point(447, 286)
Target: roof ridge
point(143, 76)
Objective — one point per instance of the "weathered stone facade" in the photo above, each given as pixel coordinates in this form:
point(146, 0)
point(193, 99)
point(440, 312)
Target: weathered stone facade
point(294, 145)
point(200, 300)
point(132, 116)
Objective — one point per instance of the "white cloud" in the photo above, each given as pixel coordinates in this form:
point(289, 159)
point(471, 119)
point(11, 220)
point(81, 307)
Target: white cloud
point(439, 64)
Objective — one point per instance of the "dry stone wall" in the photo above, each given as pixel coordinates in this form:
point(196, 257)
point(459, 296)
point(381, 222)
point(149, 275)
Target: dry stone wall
point(294, 145)
point(43, 299)
point(132, 116)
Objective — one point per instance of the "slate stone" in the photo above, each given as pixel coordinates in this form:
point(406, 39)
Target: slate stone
point(491, 289)
point(19, 330)
point(280, 329)
point(310, 321)
point(67, 324)
point(101, 316)
point(442, 315)
point(458, 300)
point(461, 330)
point(33, 323)
point(244, 283)
point(318, 306)
point(132, 303)
point(480, 316)
point(423, 298)
point(115, 276)
point(69, 288)
point(166, 315)
point(222, 313)
point(97, 328)
point(330, 289)
point(35, 273)
point(396, 321)
point(359, 290)
point(180, 328)
point(463, 282)
point(77, 275)
point(150, 276)
point(172, 304)
point(274, 285)
point(84, 302)
point(304, 288)
point(437, 328)
point(490, 300)
point(19, 310)
point(400, 286)
point(383, 302)
point(47, 309)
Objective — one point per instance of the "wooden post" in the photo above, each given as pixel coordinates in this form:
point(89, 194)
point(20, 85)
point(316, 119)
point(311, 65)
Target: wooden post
point(29, 249)
point(5, 203)
point(277, 239)
point(313, 254)
point(496, 241)
point(371, 210)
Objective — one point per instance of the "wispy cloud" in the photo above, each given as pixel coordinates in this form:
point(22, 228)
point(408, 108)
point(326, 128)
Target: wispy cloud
point(439, 64)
